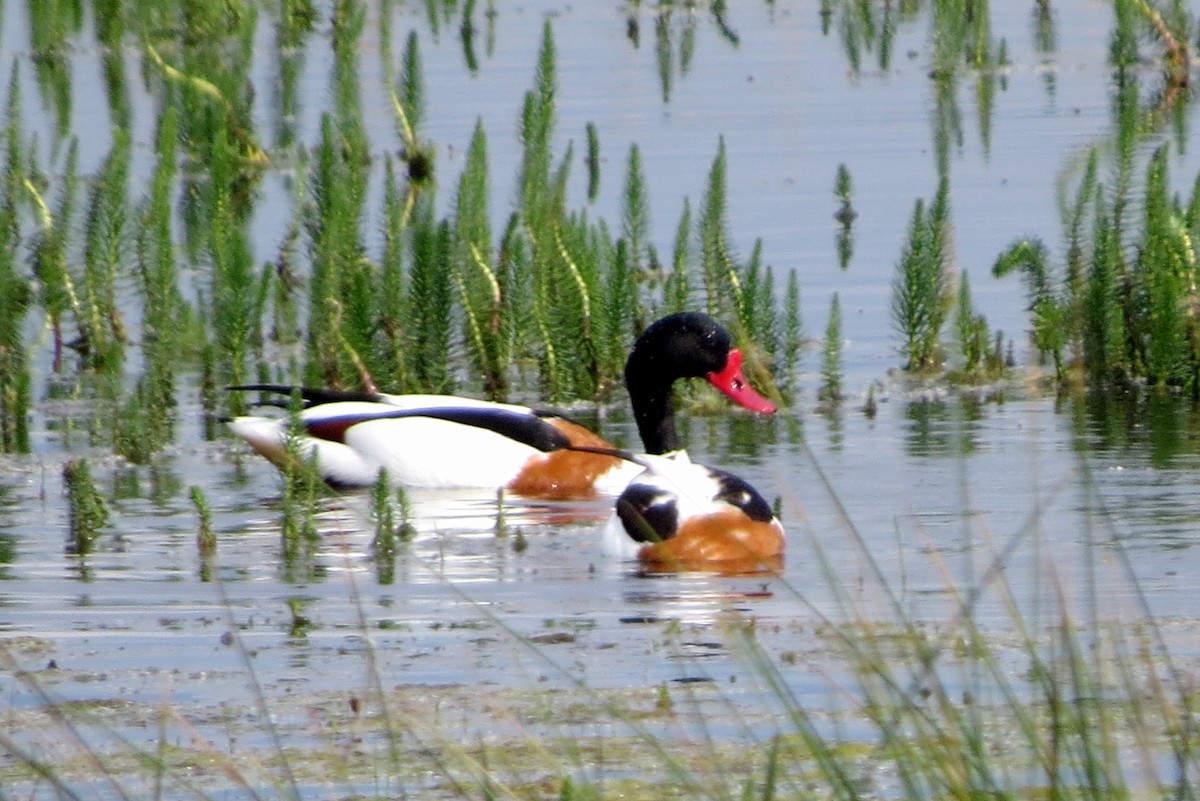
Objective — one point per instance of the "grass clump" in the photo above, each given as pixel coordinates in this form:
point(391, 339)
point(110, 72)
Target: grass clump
point(1115, 315)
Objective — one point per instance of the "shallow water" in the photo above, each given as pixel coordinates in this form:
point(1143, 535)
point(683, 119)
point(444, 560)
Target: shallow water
point(933, 494)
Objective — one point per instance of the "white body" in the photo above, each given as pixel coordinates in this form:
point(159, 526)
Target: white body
point(415, 451)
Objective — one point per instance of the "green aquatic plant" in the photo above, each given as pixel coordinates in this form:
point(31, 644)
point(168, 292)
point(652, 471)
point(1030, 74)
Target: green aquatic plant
point(16, 294)
point(238, 292)
point(108, 235)
point(1167, 267)
point(635, 212)
point(592, 161)
point(1115, 315)
point(348, 20)
point(393, 329)
point(1171, 28)
point(922, 288)
point(487, 307)
point(297, 19)
point(409, 107)
point(537, 127)
point(792, 339)
point(145, 421)
point(393, 526)
point(205, 80)
point(845, 215)
point(1049, 311)
point(302, 491)
point(206, 537)
point(57, 296)
point(466, 34)
point(722, 283)
point(430, 300)
point(87, 512)
point(620, 311)
point(677, 286)
point(49, 30)
point(970, 328)
point(340, 322)
point(831, 356)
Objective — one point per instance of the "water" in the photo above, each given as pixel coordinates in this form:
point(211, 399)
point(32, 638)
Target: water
point(934, 493)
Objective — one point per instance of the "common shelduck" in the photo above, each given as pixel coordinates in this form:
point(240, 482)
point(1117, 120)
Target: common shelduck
point(678, 516)
point(447, 442)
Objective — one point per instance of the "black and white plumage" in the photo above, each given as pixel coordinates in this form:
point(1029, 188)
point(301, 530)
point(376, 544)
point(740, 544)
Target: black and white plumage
point(678, 515)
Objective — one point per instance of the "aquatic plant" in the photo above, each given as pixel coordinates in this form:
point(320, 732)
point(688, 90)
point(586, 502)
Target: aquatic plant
point(204, 80)
point(845, 215)
point(430, 300)
point(206, 537)
point(408, 104)
point(487, 307)
point(49, 257)
point(238, 291)
point(831, 355)
point(678, 284)
point(108, 240)
point(592, 160)
point(16, 295)
point(87, 512)
point(1049, 333)
point(393, 526)
point(722, 283)
point(922, 288)
point(971, 333)
point(635, 212)
point(793, 337)
point(1170, 29)
point(735, 292)
point(302, 490)
point(1112, 315)
point(145, 420)
point(341, 318)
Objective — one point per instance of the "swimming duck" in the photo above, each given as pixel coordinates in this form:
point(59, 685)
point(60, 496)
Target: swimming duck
point(680, 516)
point(444, 441)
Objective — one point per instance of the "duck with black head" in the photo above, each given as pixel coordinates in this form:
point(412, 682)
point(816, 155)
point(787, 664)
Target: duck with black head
point(444, 441)
point(678, 515)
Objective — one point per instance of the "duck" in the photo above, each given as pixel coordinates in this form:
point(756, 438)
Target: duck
point(453, 442)
point(678, 516)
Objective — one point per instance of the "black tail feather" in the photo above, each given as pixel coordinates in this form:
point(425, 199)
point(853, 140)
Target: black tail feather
point(311, 397)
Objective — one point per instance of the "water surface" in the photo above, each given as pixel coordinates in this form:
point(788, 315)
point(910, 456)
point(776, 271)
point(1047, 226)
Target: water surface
point(934, 493)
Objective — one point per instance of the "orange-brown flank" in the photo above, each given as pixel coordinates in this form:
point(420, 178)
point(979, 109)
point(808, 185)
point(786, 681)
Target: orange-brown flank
point(561, 475)
point(717, 540)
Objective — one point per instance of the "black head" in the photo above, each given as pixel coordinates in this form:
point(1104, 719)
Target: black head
point(683, 345)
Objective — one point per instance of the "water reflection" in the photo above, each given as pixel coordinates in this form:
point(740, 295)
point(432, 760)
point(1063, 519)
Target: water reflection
point(1168, 431)
point(944, 426)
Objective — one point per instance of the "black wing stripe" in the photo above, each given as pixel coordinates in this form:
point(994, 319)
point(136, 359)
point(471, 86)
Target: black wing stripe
point(310, 396)
point(524, 428)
